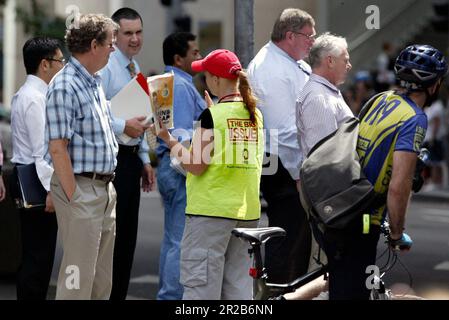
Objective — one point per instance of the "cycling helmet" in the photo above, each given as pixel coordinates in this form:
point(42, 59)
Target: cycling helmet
point(420, 66)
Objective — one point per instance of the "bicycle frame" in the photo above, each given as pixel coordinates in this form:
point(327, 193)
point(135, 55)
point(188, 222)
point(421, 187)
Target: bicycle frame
point(263, 290)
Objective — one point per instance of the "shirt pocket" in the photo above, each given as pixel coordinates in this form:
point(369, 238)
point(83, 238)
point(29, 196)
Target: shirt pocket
point(194, 267)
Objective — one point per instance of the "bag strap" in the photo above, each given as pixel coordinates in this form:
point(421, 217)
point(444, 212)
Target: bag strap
point(367, 106)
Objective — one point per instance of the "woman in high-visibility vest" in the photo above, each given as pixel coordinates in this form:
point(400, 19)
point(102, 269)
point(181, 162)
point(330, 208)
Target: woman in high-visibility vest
point(223, 165)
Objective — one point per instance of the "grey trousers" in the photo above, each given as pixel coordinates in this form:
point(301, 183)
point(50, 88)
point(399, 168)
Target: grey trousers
point(87, 228)
point(214, 263)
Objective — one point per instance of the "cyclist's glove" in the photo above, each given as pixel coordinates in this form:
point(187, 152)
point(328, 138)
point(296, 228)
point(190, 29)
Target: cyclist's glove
point(404, 243)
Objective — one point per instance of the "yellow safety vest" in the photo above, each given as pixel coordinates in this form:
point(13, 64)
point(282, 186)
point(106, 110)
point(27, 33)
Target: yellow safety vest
point(229, 188)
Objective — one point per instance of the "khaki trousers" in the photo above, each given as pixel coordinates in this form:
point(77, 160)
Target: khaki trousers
point(214, 263)
point(87, 229)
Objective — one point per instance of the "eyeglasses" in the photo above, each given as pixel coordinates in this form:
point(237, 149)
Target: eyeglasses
point(309, 37)
point(112, 44)
point(63, 61)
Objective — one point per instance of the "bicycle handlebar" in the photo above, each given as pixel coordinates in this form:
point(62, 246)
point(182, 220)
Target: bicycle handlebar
point(404, 243)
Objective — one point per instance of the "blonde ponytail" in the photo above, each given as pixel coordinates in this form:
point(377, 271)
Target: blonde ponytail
point(248, 98)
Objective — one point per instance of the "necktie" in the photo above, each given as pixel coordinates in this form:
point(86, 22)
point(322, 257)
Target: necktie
point(132, 69)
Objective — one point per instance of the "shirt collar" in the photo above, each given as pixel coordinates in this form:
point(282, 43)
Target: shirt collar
point(179, 72)
point(38, 83)
point(275, 48)
point(324, 81)
point(122, 59)
point(93, 80)
point(272, 46)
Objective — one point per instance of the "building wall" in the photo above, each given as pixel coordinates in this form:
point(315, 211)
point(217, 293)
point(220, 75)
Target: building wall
point(19, 40)
point(155, 18)
point(266, 13)
point(328, 15)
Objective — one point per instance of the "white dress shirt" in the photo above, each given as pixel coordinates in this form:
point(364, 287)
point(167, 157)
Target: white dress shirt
point(320, 110)
point(28, 127)
point(277, 79)
point(114, 76)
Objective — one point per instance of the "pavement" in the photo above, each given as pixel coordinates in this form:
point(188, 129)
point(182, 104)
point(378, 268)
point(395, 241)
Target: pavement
point(7, 284)
point(437, 195)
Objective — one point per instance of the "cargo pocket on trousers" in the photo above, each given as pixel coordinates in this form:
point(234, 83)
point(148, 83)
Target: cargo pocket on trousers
point(194, 268)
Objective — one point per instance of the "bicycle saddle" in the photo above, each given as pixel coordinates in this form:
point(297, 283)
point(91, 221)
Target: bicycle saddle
point(258, 234)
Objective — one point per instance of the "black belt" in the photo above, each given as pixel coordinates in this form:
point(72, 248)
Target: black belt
point(128, 149)
point(97, 176)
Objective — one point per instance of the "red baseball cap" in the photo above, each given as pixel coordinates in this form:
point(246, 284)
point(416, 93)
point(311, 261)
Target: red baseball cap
point(221, 63)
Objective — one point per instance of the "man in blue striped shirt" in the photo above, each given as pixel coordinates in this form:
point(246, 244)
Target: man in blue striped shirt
point(179, 50)
point(83, 151)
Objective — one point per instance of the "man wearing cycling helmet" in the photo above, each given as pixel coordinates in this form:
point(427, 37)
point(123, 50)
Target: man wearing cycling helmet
point(390, 137)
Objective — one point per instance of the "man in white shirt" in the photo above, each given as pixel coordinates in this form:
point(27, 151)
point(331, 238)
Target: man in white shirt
point(43, 59)
point(320, 108)
point(277, 75)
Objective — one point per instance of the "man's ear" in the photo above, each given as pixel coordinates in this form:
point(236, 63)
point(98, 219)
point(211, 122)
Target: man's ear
point(330, 61)
point(94, 44)
point(178, 60)
point(44, 65)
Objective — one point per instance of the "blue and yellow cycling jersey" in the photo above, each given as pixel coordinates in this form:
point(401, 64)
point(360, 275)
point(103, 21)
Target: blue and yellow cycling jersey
point(393, 123)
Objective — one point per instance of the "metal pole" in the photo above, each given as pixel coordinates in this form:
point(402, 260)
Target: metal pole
point(244, 30)
point(174, 11)
point(9, 52)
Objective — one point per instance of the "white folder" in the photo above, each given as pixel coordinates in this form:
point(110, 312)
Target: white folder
point(132, 101)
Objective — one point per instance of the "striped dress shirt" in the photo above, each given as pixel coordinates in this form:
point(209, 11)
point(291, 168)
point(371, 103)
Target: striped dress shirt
point(77, 110)
point(320, 110)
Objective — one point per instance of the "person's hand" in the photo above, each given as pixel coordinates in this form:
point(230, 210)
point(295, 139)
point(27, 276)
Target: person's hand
point(148, 178)
point(209, 102)
point(2, 189)
point(134, 127)
point(49, 206)
point(70, 192)
point(404, 243)
point(164, 134)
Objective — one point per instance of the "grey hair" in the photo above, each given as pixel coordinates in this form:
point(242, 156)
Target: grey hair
point(91, 26)
point(326, 45)
point(291, 19)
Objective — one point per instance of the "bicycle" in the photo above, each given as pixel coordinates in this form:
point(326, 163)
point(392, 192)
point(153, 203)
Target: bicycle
point(264, 290)
point(257, 237)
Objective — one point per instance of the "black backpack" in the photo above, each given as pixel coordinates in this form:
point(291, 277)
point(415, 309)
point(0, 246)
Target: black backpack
point(333, 188)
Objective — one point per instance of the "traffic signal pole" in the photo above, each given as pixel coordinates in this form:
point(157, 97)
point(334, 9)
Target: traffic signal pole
point(175, 10)
point(244, 30)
